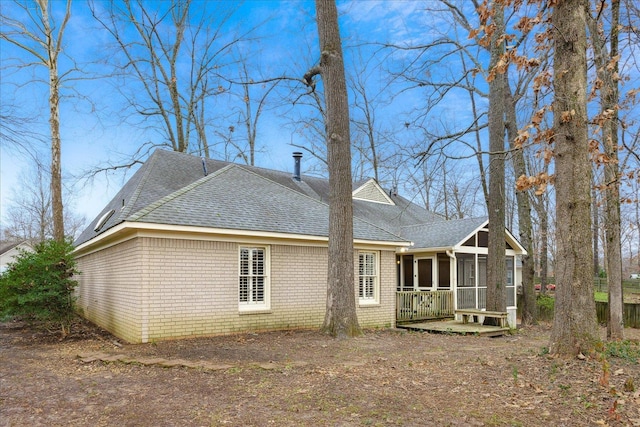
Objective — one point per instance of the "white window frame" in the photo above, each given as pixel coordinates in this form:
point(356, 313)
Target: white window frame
point(374, 274)
point(249, 273)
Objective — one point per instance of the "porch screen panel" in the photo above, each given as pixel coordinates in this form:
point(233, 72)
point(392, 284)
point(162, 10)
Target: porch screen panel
point(511, 289)
point(407, 267)
point(444, 272)
point(425, 273)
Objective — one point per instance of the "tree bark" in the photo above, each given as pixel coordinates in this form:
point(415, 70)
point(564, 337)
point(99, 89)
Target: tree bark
point(496, 274)
point(340, 318)
point(529, 312)
point(53, 45)
point(606, 70)
point(575, 325)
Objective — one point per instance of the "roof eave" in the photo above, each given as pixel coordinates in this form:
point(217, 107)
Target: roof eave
point(131, 227)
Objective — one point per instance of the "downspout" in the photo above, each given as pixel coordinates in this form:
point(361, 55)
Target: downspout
point(454, 285)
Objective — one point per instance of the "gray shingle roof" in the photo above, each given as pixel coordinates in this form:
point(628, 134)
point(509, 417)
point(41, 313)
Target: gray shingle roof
point(240, 199)
point(441, 234)
point(170, 188)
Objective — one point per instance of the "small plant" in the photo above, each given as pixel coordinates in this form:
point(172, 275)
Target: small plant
point(627, 350)
point(514, 373)
point(604, 378)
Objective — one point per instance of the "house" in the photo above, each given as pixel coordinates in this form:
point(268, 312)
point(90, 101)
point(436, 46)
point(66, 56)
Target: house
point(193, 246)
point(9, 253)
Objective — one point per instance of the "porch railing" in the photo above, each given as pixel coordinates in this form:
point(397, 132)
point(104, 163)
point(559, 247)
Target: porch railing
point(422, 305)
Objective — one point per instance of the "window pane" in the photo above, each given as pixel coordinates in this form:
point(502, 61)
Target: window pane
point(257, 289)
point(367, 275)
point(244, 262)
point(244, 289)
point(258, 261)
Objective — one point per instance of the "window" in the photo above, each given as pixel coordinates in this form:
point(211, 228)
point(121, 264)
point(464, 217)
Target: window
point(368, 291)
point(253, 290)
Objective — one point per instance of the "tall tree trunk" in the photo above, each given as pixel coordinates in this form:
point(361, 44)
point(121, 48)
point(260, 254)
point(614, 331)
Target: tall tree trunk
point(575, 327)
point(340, 318)
point(496, 274)
point(53, 47)
point(56, 168)
point(529, 312)
point(606, 70)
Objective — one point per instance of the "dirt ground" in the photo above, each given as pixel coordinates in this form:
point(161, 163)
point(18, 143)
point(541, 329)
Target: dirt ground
point(300, 378)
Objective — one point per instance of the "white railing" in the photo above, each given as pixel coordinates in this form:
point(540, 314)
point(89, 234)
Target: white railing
point(421, 305)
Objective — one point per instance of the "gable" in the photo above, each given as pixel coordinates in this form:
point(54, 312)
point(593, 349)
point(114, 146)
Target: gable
point(370, 191)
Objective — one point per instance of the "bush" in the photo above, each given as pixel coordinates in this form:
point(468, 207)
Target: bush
point(545, 305)
point(39, 286)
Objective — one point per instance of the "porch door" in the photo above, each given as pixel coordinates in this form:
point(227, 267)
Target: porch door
point(425, 273)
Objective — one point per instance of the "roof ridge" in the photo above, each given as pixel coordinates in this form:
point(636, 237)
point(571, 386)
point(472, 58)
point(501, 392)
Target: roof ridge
point(321, 202)
point(247, 168)
point(155, 205)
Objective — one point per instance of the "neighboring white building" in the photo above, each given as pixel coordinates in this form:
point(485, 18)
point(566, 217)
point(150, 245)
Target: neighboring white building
point(10, 252)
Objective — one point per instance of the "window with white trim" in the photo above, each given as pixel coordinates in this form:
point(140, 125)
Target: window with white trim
point(368, 283)
point(253, 289)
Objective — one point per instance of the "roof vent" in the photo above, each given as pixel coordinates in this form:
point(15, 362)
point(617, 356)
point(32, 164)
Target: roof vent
point(204, 166)
point(296, 167)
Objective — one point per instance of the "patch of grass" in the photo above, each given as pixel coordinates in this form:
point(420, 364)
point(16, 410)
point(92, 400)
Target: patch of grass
point(627, 350)
point(601, 296)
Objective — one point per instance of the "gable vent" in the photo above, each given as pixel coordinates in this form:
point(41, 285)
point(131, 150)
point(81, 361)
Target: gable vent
point(371, 192)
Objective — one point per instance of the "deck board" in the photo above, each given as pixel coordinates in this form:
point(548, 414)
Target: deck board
point(455, 327)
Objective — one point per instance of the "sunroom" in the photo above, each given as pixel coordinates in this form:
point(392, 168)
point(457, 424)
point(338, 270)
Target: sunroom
point(446, 270)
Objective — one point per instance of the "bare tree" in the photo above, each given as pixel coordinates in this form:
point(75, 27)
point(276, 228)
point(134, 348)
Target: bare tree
point(574, 327)
point(171, 62)
point(41, 38)
point(28, 213)
point(340, 318)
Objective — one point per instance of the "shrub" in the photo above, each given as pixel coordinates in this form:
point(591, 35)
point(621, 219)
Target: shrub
point(39, 286)
point(545, 304)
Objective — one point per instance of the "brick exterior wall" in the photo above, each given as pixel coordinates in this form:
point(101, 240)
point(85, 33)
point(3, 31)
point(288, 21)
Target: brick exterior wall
point(150, 289)
point(110, 291)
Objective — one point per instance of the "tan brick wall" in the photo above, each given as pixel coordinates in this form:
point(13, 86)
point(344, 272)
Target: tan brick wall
point(109, 290)
point(174, 288)
point(383, 314)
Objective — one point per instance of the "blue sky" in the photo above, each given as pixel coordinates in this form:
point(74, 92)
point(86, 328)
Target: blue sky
point(284, 42)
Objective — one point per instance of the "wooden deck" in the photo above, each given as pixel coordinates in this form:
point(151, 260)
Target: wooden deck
point(455, 327)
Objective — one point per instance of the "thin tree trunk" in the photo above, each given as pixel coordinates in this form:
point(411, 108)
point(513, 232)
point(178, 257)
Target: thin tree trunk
point(340, 318)
point(609, 103)
point(56, 168)
point(529, 312)
point(575, 325)
point(53, 46)
point(596, 226)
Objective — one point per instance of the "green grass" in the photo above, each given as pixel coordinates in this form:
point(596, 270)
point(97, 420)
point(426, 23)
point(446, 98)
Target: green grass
point(601, 297)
